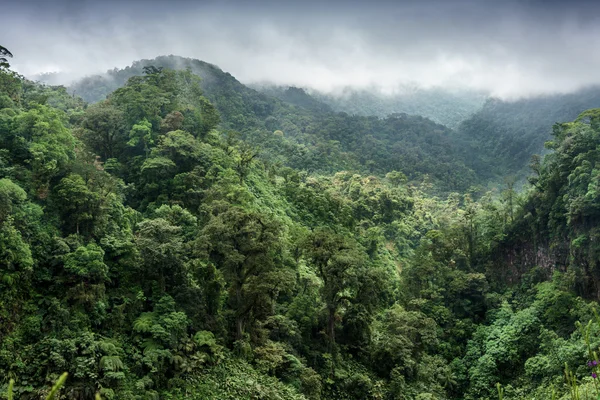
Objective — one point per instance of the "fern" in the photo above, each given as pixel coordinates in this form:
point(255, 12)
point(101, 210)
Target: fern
point(61, 381)
point(205, 338)
point(144, 322)
point(111, 363)
point(107, 347)
point(150, 345)
point(11, 383)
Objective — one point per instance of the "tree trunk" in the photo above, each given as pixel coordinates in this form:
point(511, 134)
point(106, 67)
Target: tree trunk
point(239, 319)
point(331, 325)
point(239, 327)
point(161, 281)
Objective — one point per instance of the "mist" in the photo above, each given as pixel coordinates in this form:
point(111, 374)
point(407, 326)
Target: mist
point(509, 50)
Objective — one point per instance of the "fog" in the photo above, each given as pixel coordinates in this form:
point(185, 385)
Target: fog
point(512, 49)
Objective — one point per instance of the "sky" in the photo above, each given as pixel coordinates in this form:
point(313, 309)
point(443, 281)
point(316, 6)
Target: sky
point(510, 48)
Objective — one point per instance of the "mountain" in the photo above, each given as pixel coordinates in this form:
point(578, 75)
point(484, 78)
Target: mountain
point(233, 99)
point(445, 107)
point(491, 139)
point(150, 252)
point(310, 135)
point(505, 134)
point(293, 95)
point(496, 137)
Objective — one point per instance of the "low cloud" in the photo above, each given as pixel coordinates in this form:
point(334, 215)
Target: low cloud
point(511, 49)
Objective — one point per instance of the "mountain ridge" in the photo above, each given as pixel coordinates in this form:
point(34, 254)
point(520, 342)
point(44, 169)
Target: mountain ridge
point(315, 137)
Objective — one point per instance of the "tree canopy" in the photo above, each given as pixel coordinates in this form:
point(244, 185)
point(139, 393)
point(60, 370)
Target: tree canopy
point(188, 237)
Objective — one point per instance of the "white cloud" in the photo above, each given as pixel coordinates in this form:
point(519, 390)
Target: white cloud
point(510, 50)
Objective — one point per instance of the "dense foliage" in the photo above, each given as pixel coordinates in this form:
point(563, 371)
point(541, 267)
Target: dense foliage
point(505, 134)
point(446, 107)
point(301, 132)
point(151, 251)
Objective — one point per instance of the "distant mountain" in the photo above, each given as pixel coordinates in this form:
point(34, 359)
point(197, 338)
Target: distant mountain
point(233, 99)
point(96, 87)
point(293, 95)
point(51, 78)
point(442, 106)
point(490, 140)
point(505, 134)
point(298, 130)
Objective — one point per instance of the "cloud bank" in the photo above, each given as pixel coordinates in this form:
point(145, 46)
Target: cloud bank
point(510, 48)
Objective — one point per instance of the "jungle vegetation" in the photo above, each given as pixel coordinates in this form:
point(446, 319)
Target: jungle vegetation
point(174, 234)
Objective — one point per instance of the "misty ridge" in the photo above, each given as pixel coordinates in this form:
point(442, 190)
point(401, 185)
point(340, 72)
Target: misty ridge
point(495, 137)
point(442, 60)
point(506, 49)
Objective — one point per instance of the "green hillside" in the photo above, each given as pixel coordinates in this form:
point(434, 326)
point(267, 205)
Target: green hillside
point(446, 107)
point(300, 132)
point(190, 238)
point(506, 133)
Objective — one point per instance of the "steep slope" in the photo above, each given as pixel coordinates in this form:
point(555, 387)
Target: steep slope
point(558, 228)
point(236, 103)
point(299, 131)
point(442, 106)
point(151, 255)
point(293, 95)
point(506, 133)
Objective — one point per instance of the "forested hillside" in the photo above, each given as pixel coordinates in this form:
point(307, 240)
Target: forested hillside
point(160, 244)
point(446, 107)
point(506, 133)
point(490, 140)
point(302, 133)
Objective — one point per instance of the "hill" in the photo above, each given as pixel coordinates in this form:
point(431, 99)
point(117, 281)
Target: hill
point(442, 106)
point(151, 253)
point(297, 130)
point(505, 134)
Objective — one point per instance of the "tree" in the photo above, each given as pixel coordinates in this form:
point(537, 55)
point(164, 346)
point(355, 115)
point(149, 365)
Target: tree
point(140, 100)
point(246, 155)
point(396, 178)
point(11, 195)
point(4, 53)
point(16, 264)
point(181, 147)
point(246, 246)
point(162, 250)
point(141, 133)
point(46, 144)
point(15, 254)
point(337, 261)
point(164, 332)
point(11, 87)
point(87, 273)
point(78, 204)
point(509, 194)
point(152, 70)
point(172, 121)
point(104, 130)
point(87, 263)
point(401, 339)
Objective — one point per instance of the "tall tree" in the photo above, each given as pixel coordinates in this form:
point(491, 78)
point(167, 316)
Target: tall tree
point(247, 247)
point(337, 261)
point(103, 130)
point(4, 53)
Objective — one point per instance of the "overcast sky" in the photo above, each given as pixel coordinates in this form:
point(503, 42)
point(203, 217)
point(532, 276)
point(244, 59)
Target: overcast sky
point(510, 48)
